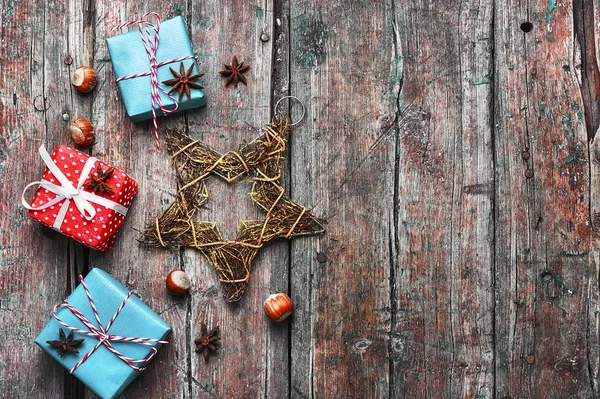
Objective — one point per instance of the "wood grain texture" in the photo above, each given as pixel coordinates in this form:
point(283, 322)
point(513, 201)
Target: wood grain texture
point(254, 358)
point(127, 146)
point(593, 305)
point(443, 274)
point(35, 93)
point(445, 270)
point(223, 124)
point(544, 273)
point(342, 164)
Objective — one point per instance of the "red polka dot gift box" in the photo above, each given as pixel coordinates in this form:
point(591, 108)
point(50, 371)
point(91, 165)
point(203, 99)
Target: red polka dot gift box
point(81, 197)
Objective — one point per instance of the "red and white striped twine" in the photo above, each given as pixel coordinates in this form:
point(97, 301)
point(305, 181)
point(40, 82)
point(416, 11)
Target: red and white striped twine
point(151, 44)
point(101, 332)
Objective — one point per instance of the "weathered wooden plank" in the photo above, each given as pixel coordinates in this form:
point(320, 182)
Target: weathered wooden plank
point(587, 30)
point(79, 41)
point(543, 228)
point(278, 349)
point(342, 164)
point(253, 360)
point(585, 24)
point(34, 94)
point(131, 147)
point(443, 275)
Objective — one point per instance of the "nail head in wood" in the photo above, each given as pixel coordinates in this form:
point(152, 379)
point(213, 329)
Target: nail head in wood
point(321, 257)
point(530, 359)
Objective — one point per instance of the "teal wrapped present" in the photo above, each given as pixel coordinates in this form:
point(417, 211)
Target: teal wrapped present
point(131, 63)
point(133, 336)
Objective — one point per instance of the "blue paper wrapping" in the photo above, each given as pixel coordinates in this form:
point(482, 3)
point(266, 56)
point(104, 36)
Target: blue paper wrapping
point(104, 373)
point(128, 57)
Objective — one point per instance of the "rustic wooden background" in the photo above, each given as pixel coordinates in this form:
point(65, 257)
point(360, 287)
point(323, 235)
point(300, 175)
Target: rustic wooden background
point(449, 144)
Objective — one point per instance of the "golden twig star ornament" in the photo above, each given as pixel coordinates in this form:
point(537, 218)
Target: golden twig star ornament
point(260, 161)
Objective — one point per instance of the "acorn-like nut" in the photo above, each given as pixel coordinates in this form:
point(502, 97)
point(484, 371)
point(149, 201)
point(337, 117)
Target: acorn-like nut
point(82, 131)
point(84, 79)
point(278, 307)
point(178, 282)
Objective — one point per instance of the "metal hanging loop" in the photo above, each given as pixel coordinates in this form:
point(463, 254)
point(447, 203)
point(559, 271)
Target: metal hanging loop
point(301, 103)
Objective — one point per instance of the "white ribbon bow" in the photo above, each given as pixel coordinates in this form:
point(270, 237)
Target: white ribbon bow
point(66, 191)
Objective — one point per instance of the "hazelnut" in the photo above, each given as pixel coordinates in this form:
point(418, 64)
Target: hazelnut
point(84, 79)
point(178, 282)
point(278, 307)
point(82, 131)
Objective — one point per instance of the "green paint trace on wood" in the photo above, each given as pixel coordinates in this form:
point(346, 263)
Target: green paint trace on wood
point(260, 12)
point(551, 8)
point(311, 36)
point(396, 80)
point(578, 110)
point(573, 255)
point(8, 10)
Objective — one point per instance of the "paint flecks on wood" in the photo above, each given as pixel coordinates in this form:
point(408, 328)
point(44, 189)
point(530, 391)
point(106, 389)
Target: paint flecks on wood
point(546, 295)
point(310, 40)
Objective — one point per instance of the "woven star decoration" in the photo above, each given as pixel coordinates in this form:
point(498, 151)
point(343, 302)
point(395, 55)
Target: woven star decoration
point(259, 161)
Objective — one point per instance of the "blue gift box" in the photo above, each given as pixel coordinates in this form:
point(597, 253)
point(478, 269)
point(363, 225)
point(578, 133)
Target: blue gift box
point(103, 372)
point(129, 57)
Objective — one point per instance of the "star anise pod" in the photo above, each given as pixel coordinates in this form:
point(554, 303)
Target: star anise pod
point(98, 183)
point(208, 342)
point(66, 343)
point(235, 72)
point(183, 81)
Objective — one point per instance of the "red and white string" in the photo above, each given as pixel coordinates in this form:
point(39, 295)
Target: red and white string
point(151, 45)
point(101, 332)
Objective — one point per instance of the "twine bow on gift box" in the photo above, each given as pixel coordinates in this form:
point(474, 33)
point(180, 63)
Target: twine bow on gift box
point(101, 332)
point(151, 45)
point(83, 200)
